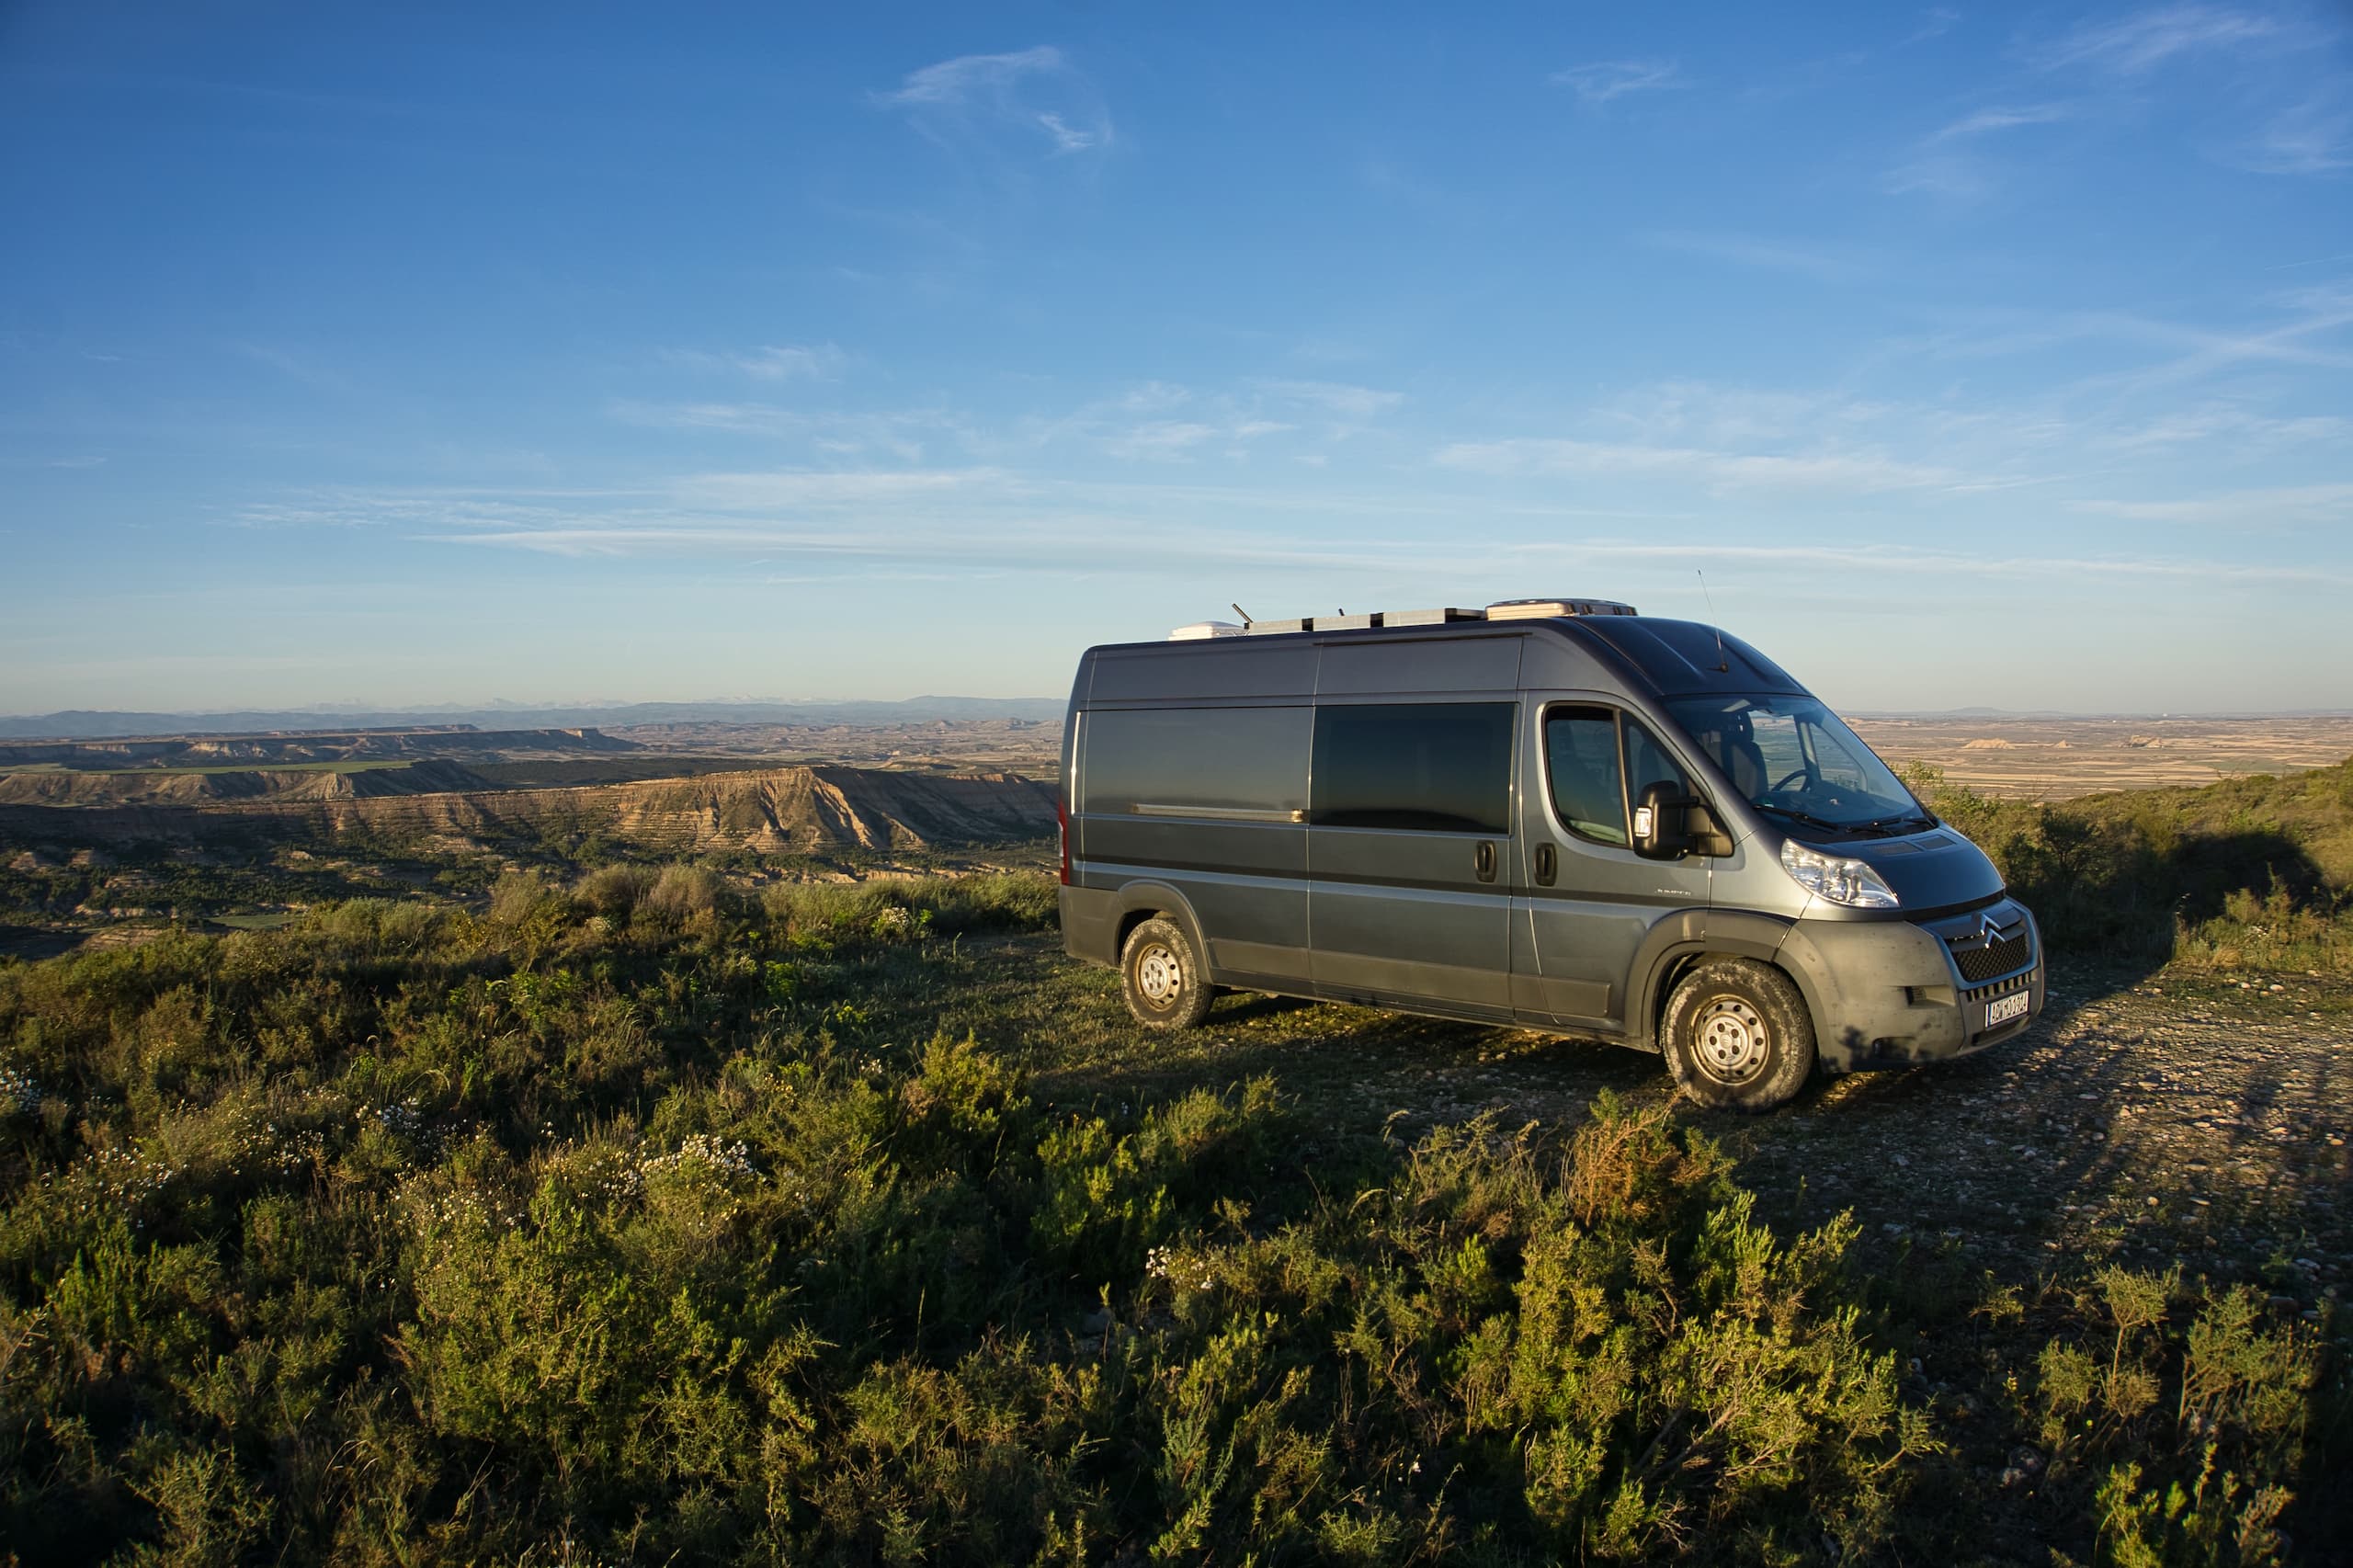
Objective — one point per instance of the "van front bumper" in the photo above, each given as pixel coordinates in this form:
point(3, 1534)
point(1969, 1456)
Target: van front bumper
point(1888, 994)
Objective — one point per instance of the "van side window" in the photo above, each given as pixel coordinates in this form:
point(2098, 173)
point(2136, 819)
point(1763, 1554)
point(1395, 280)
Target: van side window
point(1648, 763)
point(1439, 767)
point(1222, 758)
point(1581, 759)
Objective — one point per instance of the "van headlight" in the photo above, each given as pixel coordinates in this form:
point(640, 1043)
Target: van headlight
point(1835, 878)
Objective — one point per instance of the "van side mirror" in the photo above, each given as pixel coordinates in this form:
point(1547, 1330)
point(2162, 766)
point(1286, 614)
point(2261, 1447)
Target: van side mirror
point(1664, 829)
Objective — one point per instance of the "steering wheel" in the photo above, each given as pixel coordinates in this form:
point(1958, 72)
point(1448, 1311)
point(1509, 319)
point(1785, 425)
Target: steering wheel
point(1788, 777)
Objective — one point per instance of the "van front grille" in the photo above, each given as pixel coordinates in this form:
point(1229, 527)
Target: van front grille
point(1979, 964)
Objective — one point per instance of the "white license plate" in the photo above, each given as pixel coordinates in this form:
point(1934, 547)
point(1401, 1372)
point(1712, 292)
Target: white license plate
point(2002, 1010)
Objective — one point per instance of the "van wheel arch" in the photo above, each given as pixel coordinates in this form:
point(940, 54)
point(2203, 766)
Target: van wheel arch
point(1154, 901)
point(1669, 971)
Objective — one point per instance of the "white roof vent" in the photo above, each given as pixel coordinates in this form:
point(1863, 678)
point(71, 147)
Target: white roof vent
point(1533, 609)
point(1201, 630)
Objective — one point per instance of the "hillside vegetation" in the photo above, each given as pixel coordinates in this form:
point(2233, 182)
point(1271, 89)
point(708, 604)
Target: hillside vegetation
point(319, 781)
point(629, 1223)
point(764, 810)
point(2248, 873)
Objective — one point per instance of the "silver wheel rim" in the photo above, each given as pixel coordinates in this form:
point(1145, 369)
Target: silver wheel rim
point(1732, 1044)
point(1158, 976)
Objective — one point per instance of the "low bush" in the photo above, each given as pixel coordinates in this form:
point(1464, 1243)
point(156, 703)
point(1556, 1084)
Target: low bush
point(557, 1236)
point(2248, 873)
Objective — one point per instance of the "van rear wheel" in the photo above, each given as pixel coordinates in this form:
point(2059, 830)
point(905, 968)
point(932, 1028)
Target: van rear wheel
point(1737, 1036)
point(1162, 976)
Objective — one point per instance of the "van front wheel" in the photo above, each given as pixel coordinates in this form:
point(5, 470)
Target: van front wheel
point(1162, 977)
point(1737, 1036)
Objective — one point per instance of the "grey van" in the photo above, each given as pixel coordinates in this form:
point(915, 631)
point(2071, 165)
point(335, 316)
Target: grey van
point(1556, 815)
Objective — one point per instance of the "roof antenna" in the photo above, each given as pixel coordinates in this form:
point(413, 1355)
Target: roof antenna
point(1240, 611)
point(1712, 616)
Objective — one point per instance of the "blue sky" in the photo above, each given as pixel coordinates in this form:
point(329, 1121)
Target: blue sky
point(1979, 355)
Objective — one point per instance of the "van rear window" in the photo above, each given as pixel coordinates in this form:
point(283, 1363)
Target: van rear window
point(1437, 766)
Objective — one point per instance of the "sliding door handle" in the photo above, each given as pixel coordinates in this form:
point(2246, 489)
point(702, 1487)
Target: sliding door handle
point(1548, 864)
point(1483, 861)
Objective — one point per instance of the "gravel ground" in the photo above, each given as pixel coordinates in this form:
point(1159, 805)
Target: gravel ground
point(2153, 1124)
point(2200, 1120)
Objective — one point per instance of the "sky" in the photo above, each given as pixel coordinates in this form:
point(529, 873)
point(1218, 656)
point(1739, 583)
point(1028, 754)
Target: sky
point(1954, 355)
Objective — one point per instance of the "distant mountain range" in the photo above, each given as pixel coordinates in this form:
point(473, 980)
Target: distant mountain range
point(88, 725)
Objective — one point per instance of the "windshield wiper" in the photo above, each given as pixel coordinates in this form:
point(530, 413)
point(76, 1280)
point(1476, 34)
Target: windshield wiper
point(1888, 827)
point(1798, 816)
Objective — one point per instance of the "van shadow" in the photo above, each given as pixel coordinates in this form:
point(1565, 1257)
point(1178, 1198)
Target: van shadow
point(2101, 1134)
point(1363, 1069)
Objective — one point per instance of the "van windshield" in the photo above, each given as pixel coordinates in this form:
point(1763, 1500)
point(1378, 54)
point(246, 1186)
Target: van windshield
point(1795, 761)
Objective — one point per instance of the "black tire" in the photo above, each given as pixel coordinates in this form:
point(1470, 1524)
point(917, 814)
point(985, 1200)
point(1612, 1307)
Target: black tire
point(1162, 976)
point(1737, 1036)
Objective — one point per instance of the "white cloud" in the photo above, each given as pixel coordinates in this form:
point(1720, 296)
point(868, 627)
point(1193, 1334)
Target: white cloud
point(2281, 506)
point(1158, 438)
point(1852, 473)
point(1332, 397)
point(1985, 121)
point(1597, 84)
point(1029, 93)
point(768, 362)
point(1946, 162)
point(2314, 138)
point(1068, 137)
point(818, 487)
point(2132, 44)
point(954, 82)
point(1772, 255)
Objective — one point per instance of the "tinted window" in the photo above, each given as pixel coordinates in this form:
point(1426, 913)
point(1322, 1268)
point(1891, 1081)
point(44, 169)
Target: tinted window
point(1581, 759)
point(1230, 758)
point(1650, 763)
point(1445, 767)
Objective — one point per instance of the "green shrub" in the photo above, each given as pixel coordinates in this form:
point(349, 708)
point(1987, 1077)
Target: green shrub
point(391, 1238)
point(2247, 873)
point(2192, 1439)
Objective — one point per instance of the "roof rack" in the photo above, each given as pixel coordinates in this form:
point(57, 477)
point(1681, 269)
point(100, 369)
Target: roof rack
point(1533, 609)
point(1504, 609)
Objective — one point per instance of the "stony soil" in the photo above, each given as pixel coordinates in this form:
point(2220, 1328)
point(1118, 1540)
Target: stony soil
point(2195, 1121)
point(2202, 1119)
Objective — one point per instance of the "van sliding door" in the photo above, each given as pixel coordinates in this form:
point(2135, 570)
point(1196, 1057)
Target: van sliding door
point(1408, 847)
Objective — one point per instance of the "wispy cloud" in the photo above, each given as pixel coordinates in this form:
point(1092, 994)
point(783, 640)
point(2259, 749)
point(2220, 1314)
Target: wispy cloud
point(2281, 506)
point(299, 367)
point(1851, 472)
point(1603, 80)
point(1913, 562)
point(2132, 44)
point(977, 522)
point(1033, 91)
point(1950, 163)
point(1770, 255)
point(800, 488)
point(2314, 138)
point(1988, 121)
point(769, 362)
point(1332, 397)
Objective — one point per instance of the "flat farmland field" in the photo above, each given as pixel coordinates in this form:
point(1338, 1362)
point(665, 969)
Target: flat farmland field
point(2058, 759)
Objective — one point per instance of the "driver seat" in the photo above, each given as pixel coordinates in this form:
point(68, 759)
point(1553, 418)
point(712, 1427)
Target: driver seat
point(1745, 764)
